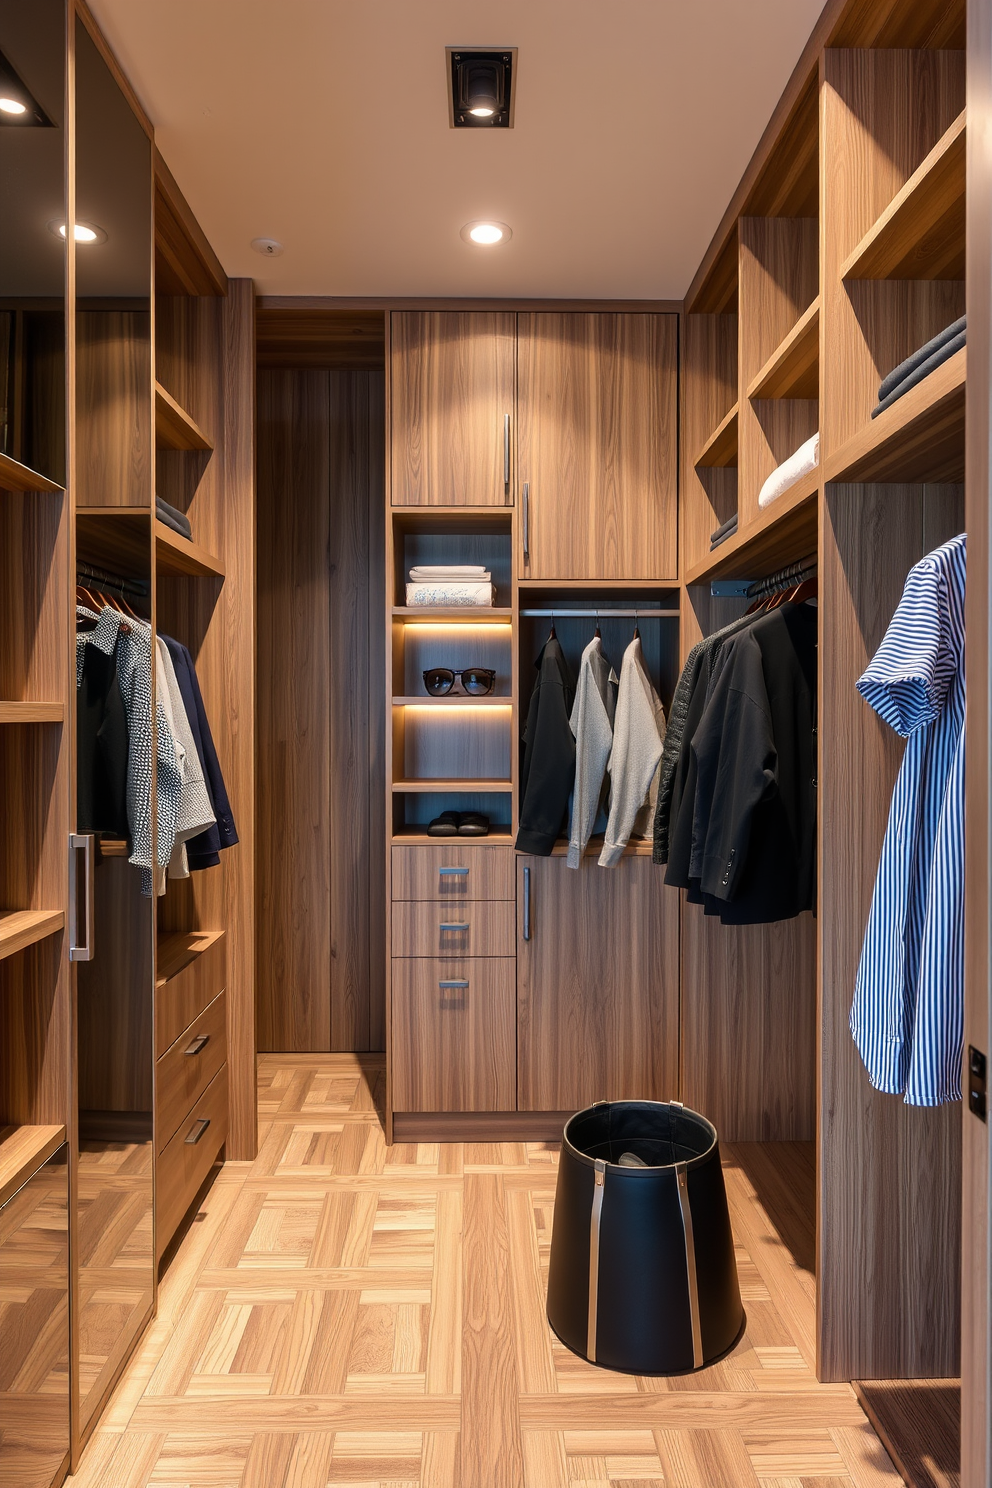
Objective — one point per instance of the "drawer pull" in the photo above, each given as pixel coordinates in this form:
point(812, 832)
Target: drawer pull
point(454, 925)
point(197, 1046)
point(197, 1132)
point(447, 985)
point(456, 872)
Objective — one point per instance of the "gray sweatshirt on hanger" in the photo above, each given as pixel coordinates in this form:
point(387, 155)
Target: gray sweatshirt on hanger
point(638, 737)
point(591, 722)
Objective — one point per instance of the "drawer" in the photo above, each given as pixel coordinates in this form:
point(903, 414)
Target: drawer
point(477, 928)
point(185, 1070)
point(185, 1161)
point(454, 1034)
point(464, 868)
point(192, 969)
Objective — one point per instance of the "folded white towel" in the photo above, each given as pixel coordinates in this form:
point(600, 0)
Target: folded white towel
point(806, 458)
point(449, 593)
point(449, 571)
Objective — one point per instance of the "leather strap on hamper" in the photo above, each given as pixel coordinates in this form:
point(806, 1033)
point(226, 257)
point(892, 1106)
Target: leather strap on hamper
point(599, 1187)
point(682, 1174)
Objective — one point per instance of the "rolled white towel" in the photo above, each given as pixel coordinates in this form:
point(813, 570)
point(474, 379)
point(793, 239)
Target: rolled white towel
point(449, 593)
point(449, 571)
point(806, 458)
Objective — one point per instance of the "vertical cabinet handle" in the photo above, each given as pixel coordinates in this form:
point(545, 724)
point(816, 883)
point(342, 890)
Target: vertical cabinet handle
point(526, 521)
point(196, 1132)
point(526, 904)
point(506, 454)
point(83, 840)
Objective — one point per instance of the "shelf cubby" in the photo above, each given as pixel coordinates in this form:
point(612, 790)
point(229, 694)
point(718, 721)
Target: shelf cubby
point(175, 429)
point(921, 233)
point(919, 438)
point(117, 537)
point(793, 369)
point(20, 928)
point(720, 449)
point(781, 534)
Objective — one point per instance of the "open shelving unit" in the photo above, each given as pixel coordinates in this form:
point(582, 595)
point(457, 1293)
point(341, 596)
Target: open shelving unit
point(118, 536)
point(771, 541)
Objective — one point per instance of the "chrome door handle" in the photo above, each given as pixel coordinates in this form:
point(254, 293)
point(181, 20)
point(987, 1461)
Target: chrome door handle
point(526, 904)
point(197, 1046)
point(453, 925)
point(79, 840)
point(197, 1132)
point(506, 454)
point(449, 872)
point(444, 985)
point(526, 521)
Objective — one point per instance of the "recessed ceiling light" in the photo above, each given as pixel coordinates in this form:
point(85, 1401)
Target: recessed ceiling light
point(267, 247)
point(488, 234)
point(83, 232)
point(18, 107)
point(11, 106)
point(481, 87)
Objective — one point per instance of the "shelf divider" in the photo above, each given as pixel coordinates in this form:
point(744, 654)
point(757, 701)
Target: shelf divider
point(720, 449)
point(32, 713)
point(175, 429)
point(23, 1150)
point(793, 369)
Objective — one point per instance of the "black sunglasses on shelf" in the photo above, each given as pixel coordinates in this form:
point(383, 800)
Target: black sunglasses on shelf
point(476, 681)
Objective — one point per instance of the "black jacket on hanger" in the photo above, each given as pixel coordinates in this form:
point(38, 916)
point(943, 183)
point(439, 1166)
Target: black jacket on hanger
point(549, 755)
point(101, 748)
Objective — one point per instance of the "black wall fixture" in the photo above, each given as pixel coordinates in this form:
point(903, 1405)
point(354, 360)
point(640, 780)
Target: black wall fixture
point(480, 87)
point(13, 94)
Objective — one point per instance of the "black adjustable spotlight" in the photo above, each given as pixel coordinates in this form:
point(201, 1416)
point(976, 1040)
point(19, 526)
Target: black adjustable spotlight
point(17, 104)
point(480, 87)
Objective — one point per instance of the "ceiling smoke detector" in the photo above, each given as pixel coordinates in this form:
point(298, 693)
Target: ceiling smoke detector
point(480, 87)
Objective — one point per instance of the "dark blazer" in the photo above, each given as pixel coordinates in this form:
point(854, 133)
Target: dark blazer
point(203, 851)
point(101, 747)
point(549, 755)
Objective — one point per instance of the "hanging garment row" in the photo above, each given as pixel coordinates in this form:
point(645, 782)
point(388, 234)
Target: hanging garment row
point(907, 1018)
point(193, 819)
point(590, 748)
point(736, 814)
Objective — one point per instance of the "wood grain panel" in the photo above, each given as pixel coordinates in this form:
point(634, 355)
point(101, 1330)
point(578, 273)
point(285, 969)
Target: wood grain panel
point(707, 390)
point(889, 1205)
point(919, 1422)
point(597, 443)
point(23, 1150)
point(428, 929)
point(114, 434)
point(491, 1448)
point(115, 1037)
point(453, 1047)
point(321, 704)
point(452, 385)
point(190, 971)
point(322, 340)
point(597, 985)
point(416, 871)
point(185, 263)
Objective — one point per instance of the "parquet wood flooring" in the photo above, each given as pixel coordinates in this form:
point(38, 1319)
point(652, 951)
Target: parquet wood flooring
point(343, 1313)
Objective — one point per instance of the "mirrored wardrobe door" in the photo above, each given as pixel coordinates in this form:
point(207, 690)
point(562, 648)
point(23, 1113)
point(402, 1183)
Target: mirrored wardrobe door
point(113, 457)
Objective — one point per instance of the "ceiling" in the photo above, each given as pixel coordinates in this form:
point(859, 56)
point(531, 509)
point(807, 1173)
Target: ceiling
point(323, 124)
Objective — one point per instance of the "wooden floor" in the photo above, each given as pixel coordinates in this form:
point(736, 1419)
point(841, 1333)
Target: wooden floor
point(343, 1313)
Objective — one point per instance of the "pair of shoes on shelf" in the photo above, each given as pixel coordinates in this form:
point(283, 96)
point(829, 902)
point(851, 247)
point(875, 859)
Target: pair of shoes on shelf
point(459, 824)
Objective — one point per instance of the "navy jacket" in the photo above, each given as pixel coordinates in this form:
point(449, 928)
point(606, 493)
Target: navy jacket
point(203, 851)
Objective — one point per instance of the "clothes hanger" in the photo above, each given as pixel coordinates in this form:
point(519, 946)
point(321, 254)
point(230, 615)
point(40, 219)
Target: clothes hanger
point(637, 629)
point(552, 635)
point(598, 635)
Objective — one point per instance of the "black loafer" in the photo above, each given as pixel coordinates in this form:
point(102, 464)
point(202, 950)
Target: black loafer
point(448, 824)
point(474, 824)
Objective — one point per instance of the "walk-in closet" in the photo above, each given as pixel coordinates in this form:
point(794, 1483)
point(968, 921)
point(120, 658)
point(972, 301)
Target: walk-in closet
point(494, 745)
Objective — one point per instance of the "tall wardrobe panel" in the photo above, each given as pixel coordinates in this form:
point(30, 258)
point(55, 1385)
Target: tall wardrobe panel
point(115, 1261)
point(451, 407)
point(597, 445)
point(321, 821)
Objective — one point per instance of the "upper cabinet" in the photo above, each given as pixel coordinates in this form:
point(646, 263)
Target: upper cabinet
point(452, 396)
point(597, 445)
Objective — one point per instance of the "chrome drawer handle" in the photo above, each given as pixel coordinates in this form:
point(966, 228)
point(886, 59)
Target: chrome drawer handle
point(198, 1045)
point(454, 925)
point(197, 1132)
point(448, 985)
point(447, 872)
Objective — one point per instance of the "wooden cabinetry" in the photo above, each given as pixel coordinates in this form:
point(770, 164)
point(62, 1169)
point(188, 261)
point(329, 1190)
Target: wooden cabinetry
point(597, 983)
point(597, 445)
point(452, 394)
point(453, 1034)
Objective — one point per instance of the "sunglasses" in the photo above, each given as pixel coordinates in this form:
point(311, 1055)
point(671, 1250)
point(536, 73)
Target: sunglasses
point(476, 681)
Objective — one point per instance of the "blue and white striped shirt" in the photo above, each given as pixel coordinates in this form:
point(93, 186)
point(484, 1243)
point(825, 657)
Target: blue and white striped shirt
point(908, 1012)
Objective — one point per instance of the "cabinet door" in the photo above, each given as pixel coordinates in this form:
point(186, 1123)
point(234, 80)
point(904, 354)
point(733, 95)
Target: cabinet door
point(452, 1034)
point(451, 391)
point(597, 984)
point(597, 445)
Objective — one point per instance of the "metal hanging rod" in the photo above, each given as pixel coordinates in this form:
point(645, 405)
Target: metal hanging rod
point(784, 579)
point(604, 614)
point(138, 587)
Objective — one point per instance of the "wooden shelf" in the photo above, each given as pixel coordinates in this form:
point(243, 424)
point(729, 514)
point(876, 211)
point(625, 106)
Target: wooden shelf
point(23, 1150)
point(112, 847)
point(24, 927)
point(720, 449)
point(593, 587)
point(781, 534)
point(174, 428)
point(416, 837)
point(637, 847)
point(921, 233)
point(32, 713)
point(17, 477)
point(455, 701)
point(176, 556)
point(793, 369)
point(177, 949)
point(444, 787)
point(453, 615)
point(919, 438)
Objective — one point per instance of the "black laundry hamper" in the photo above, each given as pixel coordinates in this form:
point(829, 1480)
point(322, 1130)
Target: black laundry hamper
point(643, 1277)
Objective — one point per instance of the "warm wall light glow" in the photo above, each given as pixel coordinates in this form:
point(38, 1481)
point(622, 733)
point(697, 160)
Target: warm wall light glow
point(11, 106)
point(486, 234)
point(457, 625)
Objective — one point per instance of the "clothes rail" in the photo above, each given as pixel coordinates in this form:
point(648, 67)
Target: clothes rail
point(602, 614)
point(784, 579)
point(138, 587)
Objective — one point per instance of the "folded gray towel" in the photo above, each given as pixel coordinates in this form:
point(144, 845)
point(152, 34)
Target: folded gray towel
point(172, 517)
point(729, 529)
point(900, 373)
point(920, 373)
